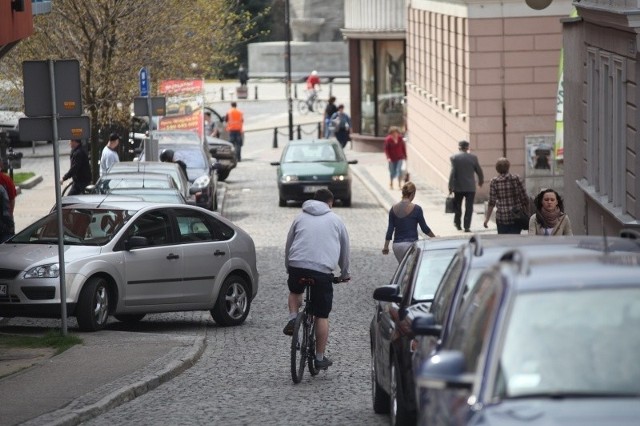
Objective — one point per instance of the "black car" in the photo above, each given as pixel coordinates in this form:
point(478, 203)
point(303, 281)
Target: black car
point(542, 341)
point(201, 171)
point(433, 328)
point(411, 290)
point(225, 153)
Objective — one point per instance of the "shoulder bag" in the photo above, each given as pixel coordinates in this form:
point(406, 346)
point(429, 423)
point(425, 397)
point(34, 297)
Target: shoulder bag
point(520, 213)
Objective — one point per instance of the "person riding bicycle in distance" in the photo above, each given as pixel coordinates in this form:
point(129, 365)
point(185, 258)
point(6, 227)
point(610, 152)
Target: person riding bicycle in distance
point(317, 243)
point(313, 87)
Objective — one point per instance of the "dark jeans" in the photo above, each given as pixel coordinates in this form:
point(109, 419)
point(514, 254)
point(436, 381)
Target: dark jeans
point(468, 208)
point(77, 188)
point(508, 228)
point(236, 139)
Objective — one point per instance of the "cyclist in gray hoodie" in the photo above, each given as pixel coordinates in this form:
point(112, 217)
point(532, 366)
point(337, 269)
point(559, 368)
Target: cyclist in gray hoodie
point(317, 243)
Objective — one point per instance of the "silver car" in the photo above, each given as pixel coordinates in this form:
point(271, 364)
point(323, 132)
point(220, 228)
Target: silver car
point(128, 259)
point(142, 167)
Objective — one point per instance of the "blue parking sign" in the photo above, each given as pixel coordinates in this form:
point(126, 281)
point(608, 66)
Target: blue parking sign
point(144, 81)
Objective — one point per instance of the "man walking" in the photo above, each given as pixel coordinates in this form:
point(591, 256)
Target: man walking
point(80, 169)
point(109, 154)
point(463, 185)
point(235, 121)
point(317, 242)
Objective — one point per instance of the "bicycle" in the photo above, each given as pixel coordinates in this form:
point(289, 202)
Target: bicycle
point(318, 103)
point(303, 341)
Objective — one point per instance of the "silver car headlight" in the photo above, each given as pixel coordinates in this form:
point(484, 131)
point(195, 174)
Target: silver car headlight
point(289, 178)
point(201, 183)
point(43, 271)
point(339, 178)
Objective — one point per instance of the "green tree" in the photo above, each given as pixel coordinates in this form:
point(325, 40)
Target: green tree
point(113, 39)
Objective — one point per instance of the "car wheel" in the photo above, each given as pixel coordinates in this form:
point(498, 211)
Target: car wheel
point(222, 175)
point(232, 306)
point(93, 305)
point(282, 202)
point(399, 413)
point(129, 318)
point(379, 396)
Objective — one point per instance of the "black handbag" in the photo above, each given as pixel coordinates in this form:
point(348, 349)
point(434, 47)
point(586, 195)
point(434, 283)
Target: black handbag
point(521, 213)
point(448, 205)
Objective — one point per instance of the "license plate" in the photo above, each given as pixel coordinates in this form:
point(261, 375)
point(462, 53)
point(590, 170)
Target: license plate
point(4, 290)
point(310, 189)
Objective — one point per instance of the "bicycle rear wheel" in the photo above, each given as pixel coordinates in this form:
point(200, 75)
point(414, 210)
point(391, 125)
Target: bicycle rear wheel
point(311, 355)
point(298, 348)
point(303, 107)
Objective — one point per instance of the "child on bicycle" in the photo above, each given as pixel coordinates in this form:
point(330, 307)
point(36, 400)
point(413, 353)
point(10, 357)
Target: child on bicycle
point(317, 243)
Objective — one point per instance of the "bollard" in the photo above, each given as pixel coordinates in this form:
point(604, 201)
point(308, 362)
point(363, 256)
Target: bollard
point(255, 91)
point(222, 93)
point(295, 91)
point(319, 130)
point(330, 88)
point(275, 137)
point(299, 132)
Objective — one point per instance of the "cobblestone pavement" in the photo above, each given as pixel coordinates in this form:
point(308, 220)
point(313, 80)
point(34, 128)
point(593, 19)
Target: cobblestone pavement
point(243, 377)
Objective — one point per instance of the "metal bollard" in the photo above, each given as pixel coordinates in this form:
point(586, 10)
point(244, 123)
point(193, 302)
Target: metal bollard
point(255, 91)
point(299, 132)
point(295, 91)
point(319, 130)
point(275, 137)
point(330, 88)
point(222, 93)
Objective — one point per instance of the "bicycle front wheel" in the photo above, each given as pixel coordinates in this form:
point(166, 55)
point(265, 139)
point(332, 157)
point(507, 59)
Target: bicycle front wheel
point(319, 106)
point(311, 351)
point(298, 348)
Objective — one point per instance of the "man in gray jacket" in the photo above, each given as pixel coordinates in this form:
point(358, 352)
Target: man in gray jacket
point(317, 243)
point(462, 184)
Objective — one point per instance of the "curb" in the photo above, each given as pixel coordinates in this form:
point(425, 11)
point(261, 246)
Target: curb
point(30, 183)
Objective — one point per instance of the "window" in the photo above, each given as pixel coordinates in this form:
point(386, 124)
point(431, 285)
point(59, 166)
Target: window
point(154, 226)
point(606, 126)
point(382, 80)
point(196, 227)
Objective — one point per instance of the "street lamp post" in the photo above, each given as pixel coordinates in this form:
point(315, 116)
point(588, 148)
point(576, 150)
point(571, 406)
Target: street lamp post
point(287, 66)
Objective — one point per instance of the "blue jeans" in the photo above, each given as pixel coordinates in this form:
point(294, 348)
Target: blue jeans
point(235, 138)
point(395, 169)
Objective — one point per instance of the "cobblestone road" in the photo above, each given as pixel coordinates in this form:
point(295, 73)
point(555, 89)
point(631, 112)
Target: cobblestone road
point(243, 377)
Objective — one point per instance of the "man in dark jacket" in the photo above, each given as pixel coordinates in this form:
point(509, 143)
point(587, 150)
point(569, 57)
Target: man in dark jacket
point(80, 170)
point(462, 184)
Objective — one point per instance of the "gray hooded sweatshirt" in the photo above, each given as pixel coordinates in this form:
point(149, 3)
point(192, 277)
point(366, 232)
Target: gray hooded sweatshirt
point(318, 240)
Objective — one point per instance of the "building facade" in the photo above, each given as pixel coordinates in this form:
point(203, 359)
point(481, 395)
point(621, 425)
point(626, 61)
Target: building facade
point(16, 23)
point(486, 73)
point(602, 93)
point(375, 31)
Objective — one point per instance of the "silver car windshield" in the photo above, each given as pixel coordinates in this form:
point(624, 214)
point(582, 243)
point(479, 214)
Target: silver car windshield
point(93, 227)
point(581, 343)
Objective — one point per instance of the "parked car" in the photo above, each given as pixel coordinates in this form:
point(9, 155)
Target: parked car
point(178, 137)
point(9, 121)
point(411, 289)
point(171, 169)
point(225, 153)
point(111, 181)
point(433, 328)
point(153, 195)
point(129, 259)
point(307, 165)
point(542, 342)
point(201, 171)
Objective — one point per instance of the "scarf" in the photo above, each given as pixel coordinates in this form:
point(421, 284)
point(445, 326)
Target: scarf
point(548, 219)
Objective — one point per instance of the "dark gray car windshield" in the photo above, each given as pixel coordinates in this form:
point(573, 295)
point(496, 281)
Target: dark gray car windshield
point(93, 227)
point(572, 343)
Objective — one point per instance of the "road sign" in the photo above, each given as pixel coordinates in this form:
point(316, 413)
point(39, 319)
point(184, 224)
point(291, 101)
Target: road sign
point(38, 93)
point(144, 81)
point(41, 128)
point(158, 106)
